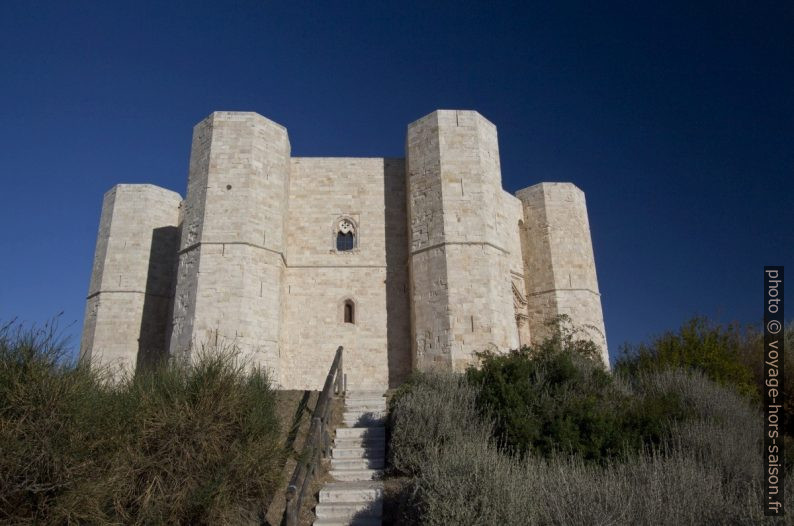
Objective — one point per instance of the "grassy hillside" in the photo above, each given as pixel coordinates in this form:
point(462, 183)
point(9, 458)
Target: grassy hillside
point(179, 445)
point(544, 435)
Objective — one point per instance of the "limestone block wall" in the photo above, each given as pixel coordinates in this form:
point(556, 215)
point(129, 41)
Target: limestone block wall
point(461, 285)
point(558, 260)
point(427, 261)
point(319, 279)
point(445, 263)
point(510, 217)
point(130, 292)
point(231, 256)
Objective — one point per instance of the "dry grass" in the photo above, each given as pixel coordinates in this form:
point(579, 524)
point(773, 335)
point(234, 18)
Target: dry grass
point(707, 472)
point(429, 412)
point(298, 407)
point(293, 408)
point(182, 444)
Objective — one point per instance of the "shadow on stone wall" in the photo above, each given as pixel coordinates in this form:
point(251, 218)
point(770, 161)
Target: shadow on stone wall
point(398, 328)
point(157, 301)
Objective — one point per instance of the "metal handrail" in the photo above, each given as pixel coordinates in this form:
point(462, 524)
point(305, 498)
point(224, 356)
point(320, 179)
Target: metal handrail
point(317, 444)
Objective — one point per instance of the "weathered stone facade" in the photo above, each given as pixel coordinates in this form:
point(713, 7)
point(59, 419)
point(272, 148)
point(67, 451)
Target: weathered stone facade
point(412, 263)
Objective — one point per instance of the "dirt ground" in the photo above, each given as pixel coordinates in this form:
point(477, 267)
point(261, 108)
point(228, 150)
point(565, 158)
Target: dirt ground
point(295, 409)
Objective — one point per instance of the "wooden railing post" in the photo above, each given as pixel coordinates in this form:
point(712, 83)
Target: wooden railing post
point(340, 383)
point(290, 513)
point(318, 441)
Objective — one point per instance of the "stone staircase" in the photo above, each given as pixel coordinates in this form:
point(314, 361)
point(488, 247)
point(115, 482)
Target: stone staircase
point(357, 461)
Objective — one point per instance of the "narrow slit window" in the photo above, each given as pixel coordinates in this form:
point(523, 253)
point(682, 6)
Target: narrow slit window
point(349, 312)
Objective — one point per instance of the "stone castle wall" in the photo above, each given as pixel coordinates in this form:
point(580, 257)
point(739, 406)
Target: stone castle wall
point(231, 257)
point(445, 263)
point(371, 193)
point(130, 294)
point(558, 257)
point(460, 264)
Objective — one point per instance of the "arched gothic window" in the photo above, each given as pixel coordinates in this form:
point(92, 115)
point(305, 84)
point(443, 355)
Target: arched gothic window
point(345, 241)
point(345, 235)
point(349, 312)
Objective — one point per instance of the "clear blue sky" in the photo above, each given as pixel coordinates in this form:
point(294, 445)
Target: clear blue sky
point(675, 118)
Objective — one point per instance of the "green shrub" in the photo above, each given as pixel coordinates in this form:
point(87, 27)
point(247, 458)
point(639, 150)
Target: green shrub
point(565, 337)
point(179, 445)
point(427, 413)
point(474, 484)
point(557, 396)
point(706, 471)
point(546, 402)
point(727, 355)
point(673, 446)
point(470, 482)
point(701, 345)
point(724, 426)
point(752, 357)
point(664, 488)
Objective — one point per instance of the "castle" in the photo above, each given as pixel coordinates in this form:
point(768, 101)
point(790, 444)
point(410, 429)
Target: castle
point(411, 263)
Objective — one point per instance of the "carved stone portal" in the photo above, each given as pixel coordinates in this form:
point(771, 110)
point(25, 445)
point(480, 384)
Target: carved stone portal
point(521, 313)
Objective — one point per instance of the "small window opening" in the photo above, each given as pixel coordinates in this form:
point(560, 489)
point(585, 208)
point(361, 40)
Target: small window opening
point(349, 312)
point(345, 235)
point(345, 241)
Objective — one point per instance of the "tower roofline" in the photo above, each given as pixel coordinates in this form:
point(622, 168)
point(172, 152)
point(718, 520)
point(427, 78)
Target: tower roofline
point(240, 115)
point(442, 116)
point(543, 185)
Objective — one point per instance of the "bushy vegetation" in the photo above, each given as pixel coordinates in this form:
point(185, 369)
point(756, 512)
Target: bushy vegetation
point(729, 355)
point(558, 396)
point(752, 356)
point(430, 412)
point(180, 444)
point(715, 350)
point(523, 440)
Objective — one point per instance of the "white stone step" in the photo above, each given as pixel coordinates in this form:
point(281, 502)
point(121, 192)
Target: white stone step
point(363, 419)
point(363, 412)
point(365, 401)
point(358, 463)
point(355, 475)
point(365, 409)
point(359, 432)
point(358, 422)
point(363, 393)
point(375, 415)
point(351, 491)
point(342, 510)
point(375, 402)
point(358, 452)
point(355, 521)
point(361, 443)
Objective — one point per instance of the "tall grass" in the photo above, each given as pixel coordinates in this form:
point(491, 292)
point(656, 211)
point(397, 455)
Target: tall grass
point(182, 444)
point(707, 469)
point(430, 412)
